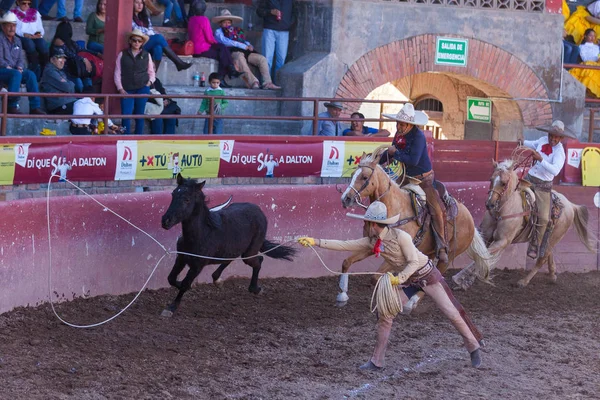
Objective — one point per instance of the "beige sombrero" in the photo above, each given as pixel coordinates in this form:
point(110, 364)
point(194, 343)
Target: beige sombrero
point(377, 212)
point(557, 128)
point(409, 115)
point(138, 33)
point(226, 15)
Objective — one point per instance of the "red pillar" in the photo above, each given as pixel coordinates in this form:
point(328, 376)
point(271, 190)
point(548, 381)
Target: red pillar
point(119, 14)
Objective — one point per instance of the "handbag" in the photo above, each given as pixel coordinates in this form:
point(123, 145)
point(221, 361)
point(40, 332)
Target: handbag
point(182, 48)
point(97, 65)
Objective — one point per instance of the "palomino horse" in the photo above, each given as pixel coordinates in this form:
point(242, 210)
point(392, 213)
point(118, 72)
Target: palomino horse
point(503, 222)
point(370, 180)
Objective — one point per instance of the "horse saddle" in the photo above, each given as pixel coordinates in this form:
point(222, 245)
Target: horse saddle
point(450, 204)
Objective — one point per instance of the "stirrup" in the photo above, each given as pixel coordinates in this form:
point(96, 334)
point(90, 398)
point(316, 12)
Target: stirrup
point(532, 251)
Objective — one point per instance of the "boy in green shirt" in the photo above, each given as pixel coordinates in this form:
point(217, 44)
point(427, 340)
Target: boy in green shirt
point(214, 80)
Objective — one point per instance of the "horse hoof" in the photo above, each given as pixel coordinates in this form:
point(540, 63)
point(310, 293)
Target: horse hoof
point(522, 283)
point(340, 303)
point(166, 313)
point(218, 283)
point(256, 290)
point(342, 297)
point(553, 279)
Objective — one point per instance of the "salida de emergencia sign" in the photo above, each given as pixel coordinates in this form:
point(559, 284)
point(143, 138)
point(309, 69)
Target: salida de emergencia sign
point(451, 51)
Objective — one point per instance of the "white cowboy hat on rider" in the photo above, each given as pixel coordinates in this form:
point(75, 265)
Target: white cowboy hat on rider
point(377, 212)
point(409, 115)
point(557, 129)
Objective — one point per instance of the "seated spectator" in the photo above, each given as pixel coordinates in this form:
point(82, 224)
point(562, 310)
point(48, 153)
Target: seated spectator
point(87, 108)
point(242, 52)
point(94, 28)
point(585, 17)
point(156, 45)
point(163, 106)
point(134, 74)
point(358, 128)
point(31, 32)
point(331, 128)
point(570, 50)
point(214, 89)
point(170, 6)
point(61, 10)
point(5, 5)
point(79, 69)
point(589, 52)
point(278, 18)
point(55, 80)
point(205, 45)
point(12, 66)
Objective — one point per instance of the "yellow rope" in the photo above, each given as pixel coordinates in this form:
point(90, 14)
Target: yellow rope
point(387, 301)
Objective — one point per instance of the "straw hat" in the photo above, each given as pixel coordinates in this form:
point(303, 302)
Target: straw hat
point(408, 115)
point(557, 128)
point(9, 18)
point(138, 33)
point(334, 104)
point(377, 212)
point(226, 15)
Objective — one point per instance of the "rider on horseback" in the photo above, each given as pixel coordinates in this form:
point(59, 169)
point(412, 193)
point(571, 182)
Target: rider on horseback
point(549, 155)
point(410, 147)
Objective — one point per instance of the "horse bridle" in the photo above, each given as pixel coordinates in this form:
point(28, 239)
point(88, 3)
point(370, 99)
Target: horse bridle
point(358, 197)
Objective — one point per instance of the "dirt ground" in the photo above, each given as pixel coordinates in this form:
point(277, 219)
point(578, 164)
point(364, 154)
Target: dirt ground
point(292, 342)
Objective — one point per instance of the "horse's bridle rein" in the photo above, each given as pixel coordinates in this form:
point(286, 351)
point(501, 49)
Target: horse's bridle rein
point(358, 197)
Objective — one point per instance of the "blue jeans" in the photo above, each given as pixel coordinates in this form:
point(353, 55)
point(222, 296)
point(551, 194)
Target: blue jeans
point(275, 43)
point(37, 54)
point(135, 107)
point(61, 11)
point(171, 5)
point(155, 46)
point(13, 79)
point(571, 53)
point(217, 126)
point(95, 47)
point(163, 125)
point(80, 83)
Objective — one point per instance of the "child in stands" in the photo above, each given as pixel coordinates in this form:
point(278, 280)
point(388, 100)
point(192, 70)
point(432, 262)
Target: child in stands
point(219, 105)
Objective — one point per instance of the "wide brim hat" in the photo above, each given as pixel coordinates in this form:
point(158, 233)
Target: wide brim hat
point(557, 128)
point(334, 104)
point(377, 212)
point(138, 33)
point(226, 15)
point(8, 18)
point(409, 115)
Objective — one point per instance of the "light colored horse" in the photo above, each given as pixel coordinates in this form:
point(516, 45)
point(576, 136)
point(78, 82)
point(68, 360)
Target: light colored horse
point(370, 180)
point(503, 222)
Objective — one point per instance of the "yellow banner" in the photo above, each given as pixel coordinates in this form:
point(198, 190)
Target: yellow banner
point(163, 159)
point(7, 164)
point(353, 153)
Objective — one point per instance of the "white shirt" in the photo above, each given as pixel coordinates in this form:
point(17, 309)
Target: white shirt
point(551, 164)
point(86, 106)
point(30, 28)
point(594, 8)
point(589, 51)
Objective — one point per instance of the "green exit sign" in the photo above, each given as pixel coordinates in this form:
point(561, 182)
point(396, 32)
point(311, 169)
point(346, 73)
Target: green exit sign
point(451, 51)
point(479, 110)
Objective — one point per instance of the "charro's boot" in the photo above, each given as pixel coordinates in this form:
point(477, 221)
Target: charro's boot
point(179, 63)
point(156, 65)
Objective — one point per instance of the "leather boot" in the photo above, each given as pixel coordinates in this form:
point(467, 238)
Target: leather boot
point(179, 63)
point(156, 65)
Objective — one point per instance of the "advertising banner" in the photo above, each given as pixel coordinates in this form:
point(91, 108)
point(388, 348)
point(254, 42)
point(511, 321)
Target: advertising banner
point(7, 163)
point(340, 159)
point(251, 159)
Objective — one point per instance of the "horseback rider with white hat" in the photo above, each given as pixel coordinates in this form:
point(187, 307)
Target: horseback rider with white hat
point(413, 269)
point(410, 147)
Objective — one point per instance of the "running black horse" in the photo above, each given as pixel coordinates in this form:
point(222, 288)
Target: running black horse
point(238, 230)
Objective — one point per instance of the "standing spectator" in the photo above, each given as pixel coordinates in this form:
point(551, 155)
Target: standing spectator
point(94, 28)
point(87, 108)
point(79, 69)
point(278, 18)
point(134, 74)
point(12, 66)
point(214, 80)
point(55, 80)
point(61, 10)
point(31, 32)
point(331, 128)
point(156, 45)
point(358, 128)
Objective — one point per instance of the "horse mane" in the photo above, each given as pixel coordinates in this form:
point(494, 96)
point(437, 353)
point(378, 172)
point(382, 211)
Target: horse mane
point(506, 165)
point(375, 156)
point(211, 218)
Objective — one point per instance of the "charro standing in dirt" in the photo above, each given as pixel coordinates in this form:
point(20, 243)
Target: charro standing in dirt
point(410, 147)
point(413, 268)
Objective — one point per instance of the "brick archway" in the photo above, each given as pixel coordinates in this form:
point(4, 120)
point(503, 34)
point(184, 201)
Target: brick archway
point(502, 74)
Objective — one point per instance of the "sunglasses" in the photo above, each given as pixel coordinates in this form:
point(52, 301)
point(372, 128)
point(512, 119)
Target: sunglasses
point(25, 2)
point(137, 40)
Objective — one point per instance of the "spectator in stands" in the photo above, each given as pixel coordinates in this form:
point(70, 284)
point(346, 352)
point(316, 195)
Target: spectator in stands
point(88, 107)
point(79, 69)
point(61, 11)
point(31, 32)
point(12, 66)
point(94, 28)
point(163, 106)
point(278, 18)
point(589, 52)
point(585, 17)
point(205, 45)
point(55, 80)
point(170, 6)
point(214, 80)
point(331, 128)
point(358, 128)
point(5, 5)
point(134, 74)
point(156, 44)
point(242, 52)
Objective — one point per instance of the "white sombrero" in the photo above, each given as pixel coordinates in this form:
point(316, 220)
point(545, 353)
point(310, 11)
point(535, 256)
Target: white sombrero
point(377, 212)
point(226, 15)
point(9, 18)
point(557, 128)
point(408, 114)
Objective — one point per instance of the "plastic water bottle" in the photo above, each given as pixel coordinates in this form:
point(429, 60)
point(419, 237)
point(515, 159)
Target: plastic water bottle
point(196, 79)
point(202, 80)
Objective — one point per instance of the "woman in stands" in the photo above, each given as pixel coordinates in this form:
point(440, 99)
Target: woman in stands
point(156, 45)
point(79, 69)
point(95, 28)
point(205, 45)
point(585, 17)
point(31, 33)
point(589, 52)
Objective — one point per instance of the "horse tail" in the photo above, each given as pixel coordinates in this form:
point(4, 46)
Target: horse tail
point(581, 225)
point(484, 260)
point(277, 251)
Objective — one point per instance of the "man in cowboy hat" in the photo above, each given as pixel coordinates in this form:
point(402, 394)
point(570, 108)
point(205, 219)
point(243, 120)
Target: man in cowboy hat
point(414, 270)
point(12, 66)
point(331, 128)
point(55, 80)
point(549, 154)
point(410, 147)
